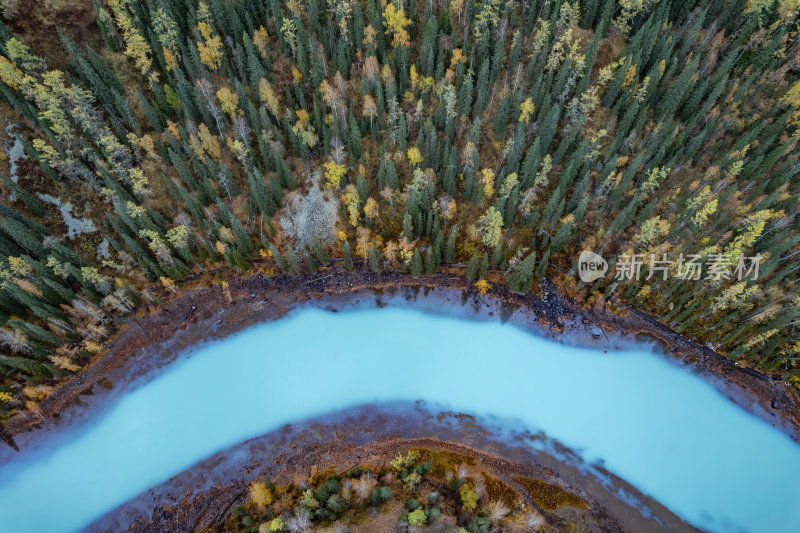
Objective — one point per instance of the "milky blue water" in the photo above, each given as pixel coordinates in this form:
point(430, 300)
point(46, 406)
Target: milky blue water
point(652, 423)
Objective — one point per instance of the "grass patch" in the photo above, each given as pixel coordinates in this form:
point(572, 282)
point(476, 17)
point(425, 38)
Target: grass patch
point(547, 496)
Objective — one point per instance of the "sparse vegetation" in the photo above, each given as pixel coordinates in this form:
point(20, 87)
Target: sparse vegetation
point(296, 508)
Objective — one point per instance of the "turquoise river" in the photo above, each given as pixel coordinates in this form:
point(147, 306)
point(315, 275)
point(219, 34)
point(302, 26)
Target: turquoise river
point(649, 421)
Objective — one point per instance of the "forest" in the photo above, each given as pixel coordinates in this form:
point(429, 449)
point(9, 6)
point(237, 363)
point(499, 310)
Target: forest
point(504, 137)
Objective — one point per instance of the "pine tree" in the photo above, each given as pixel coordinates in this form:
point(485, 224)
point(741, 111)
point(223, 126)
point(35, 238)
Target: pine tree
point(280, 262)
point(521, 278)
point(483, 272)
point(541, 272)
point(450, 248)
point(465, 95)
point(416, 264)
point(472, 267)
point(309, 261)
point(292, 264)
point(375, 259)
point(319, 252)
point(347, 256)
point(354, 138)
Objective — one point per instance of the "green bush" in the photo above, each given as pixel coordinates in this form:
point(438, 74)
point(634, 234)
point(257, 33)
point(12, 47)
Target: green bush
point(336, 504)
point(479, 524)
point(327, 490)
point(423, 468)
point(380, 495)
point(433, 514)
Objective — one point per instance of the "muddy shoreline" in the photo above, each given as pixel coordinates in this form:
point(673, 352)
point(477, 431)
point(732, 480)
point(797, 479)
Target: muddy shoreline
point(206, 314)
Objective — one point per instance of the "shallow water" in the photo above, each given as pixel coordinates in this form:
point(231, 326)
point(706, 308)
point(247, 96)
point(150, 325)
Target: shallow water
point(654, 424)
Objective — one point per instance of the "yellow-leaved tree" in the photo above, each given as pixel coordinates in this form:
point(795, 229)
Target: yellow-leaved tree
point(487, 180)
point(526, 109)
point(229, 101)
point(395, 20)
point(210, 48)
point(260, 496)
point(414, 156)
point(490, 226)
point(333, 173)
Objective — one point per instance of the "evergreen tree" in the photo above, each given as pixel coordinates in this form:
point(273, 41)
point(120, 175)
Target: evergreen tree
point(522, 276)
point(348, 256)
point(319, 251)
point(472, 267)
point(375, 259)
point(416, 265)
point(292, 264)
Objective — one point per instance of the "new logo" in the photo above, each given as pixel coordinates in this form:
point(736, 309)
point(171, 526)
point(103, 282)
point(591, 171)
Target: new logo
point(591, 266)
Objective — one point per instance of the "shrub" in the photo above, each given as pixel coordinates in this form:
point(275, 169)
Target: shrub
point(433, 514)
point(327, 490)
point(380, 495)
point(417, 518)
point(479, 524)
point(8, 8)
point(423, 468)
point(469, 498)
point(336, 504)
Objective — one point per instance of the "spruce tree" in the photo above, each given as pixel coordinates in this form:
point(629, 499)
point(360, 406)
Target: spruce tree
point(347, 256)
point(473, 266)
point(416, 264)
point(280, 262)
point(292, 264)
point(375, 259)
point(521, 277)
point(450, 248)
point(319, 251)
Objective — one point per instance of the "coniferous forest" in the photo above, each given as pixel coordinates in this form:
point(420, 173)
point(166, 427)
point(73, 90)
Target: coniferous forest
point(499, 137)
